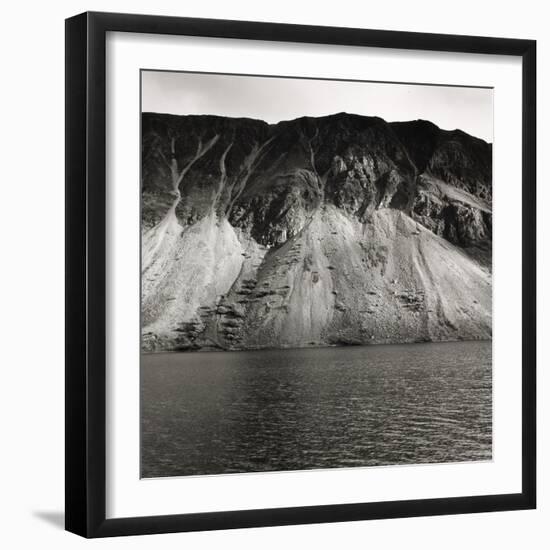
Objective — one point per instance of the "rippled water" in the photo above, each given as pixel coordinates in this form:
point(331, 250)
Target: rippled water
point(210, 413)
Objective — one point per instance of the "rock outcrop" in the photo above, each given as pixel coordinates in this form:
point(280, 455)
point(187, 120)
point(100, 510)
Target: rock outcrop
point(318, 231)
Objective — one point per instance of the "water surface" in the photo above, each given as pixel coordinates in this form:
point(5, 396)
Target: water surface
point(228, 412)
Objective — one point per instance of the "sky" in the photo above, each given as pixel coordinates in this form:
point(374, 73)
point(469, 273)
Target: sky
point(275, 98)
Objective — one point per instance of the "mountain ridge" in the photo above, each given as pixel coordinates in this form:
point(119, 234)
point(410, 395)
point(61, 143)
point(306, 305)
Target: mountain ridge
point(338, 114)
point(243, 224)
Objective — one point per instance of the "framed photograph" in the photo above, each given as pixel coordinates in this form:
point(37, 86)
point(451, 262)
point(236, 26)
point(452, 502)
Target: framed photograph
point(300, 274)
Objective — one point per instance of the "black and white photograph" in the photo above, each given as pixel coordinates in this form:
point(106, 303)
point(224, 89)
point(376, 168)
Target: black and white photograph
point(278, 279)
point(316, 274)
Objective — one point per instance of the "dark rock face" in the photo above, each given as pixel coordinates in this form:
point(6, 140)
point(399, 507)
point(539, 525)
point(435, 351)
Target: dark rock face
point(282, 198)
point(460, 218)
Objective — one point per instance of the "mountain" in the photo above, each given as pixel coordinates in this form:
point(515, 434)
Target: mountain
point(342, 229)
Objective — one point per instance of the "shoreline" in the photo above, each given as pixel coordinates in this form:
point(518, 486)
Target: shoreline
point(325, 346)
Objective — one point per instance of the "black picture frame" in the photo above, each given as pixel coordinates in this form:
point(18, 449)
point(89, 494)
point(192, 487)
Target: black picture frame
point(86, 275)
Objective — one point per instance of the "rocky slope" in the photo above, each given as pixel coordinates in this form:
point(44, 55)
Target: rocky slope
point(336, 230)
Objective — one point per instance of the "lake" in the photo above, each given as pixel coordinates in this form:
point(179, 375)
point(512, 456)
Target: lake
point(270, 410)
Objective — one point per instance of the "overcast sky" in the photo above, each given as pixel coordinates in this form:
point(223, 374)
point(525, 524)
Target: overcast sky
point(276, 99)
